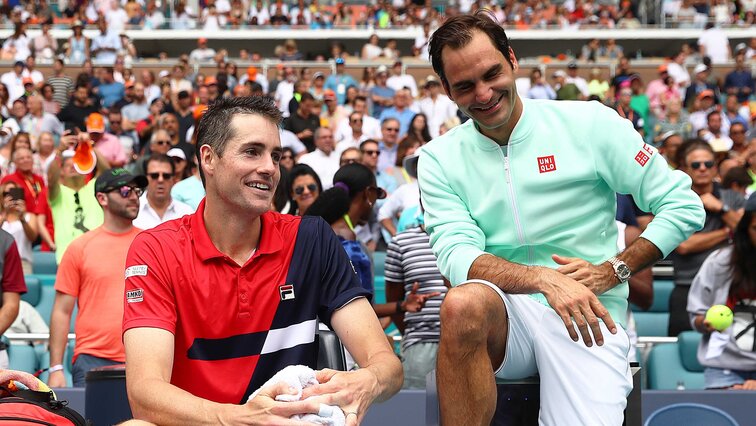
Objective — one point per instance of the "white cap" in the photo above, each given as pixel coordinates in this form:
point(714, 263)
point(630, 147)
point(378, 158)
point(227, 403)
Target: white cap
point(163, 73)
point(381, 69)
point(177, 153)
point(559, 73)
point(700, 68)
point(740, 46)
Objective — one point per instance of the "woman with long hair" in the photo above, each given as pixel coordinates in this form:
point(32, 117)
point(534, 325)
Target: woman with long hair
point(78, 45)
point(17, 46)
point(418, 128)
point(304, 188)
point(350, 203)
point(4, 98)
point(406, 147)
point(18, 222)
point(728, 277)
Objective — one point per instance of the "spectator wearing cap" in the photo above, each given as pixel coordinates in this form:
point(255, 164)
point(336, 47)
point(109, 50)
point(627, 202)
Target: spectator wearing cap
point(339, 81)
point(740, 82)
point(400, 111)
point(436, 105)
point(574, 78)
point(38, 121)
point(95, 283)
point(78, 109)
point(303, 122)
point(14, 81)
point(254, 75)
point(669, 145)
point(189, 190)
point(332, 113)
point(156, 205)
point(381, 95)
point(706, 104)
point(78, 45)
point(565, 91)
point(109, 90)
point(324, 159)
point(317, 88)
point(202, 54)
point(107, 144)
point(178, 156)
point(105, 46)
point(398, 80)
point(699, 84)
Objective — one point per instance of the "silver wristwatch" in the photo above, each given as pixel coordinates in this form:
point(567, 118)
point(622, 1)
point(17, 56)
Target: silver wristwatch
point(621, 270)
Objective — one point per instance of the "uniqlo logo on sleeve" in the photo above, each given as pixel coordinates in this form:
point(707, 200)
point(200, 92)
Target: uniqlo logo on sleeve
point(642, 158)
point(546, 164)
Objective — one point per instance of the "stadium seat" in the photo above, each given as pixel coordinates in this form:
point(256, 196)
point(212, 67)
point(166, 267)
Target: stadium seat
point(379, 260)
point(33, 290)
point(662, 290)
point(688, 342)
point(671, 365)
point(22, 358)
point(330, 351)
point(655, 320)
point(690, 414)
point(44, 362)
point(43, 262)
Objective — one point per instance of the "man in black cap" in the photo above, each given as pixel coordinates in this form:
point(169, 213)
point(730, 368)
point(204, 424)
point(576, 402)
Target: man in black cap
point(574, 78)
point(95, 282)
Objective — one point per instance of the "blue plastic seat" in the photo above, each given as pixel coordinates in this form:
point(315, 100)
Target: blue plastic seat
point(651, 323)
point(43, 262)
point(22, 357)
point(690, 414)
point(33, 290)
point(671, 365)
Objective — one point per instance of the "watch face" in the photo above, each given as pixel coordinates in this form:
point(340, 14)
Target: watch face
point(623, 271)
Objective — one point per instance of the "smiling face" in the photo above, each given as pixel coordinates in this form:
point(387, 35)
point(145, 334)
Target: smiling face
point(304, 191)
point(482, 83)
point(245, 176)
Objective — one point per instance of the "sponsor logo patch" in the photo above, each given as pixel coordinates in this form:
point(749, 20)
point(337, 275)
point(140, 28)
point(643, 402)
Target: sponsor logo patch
point(546, 164)
point(642, 158)
point(286, 291)
point(135, 296)
point(136, 271)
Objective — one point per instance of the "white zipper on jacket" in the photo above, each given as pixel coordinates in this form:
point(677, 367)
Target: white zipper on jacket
point(513, 200)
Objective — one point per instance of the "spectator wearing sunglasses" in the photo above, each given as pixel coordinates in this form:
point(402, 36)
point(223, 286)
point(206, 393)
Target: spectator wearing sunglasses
point(305, 187)
point(324, 160)
point(156, 205)
point(697, 160)
point(96, 283)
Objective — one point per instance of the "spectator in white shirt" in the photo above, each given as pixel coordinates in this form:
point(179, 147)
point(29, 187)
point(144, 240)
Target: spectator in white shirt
point(324, 160)
point(398, 81)
point(106, 45)
point(355, 138)
point(14, 82)
point(32, 72)
point(370, 125)
point(157, 205)
point(202, 53)
point(714, 44)
point(154, 18)
point(117, 17)
point(437, 107)
point(579, 82)
point(258, 14)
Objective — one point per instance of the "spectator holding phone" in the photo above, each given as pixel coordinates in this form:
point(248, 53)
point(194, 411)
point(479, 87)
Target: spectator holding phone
point(18, 222)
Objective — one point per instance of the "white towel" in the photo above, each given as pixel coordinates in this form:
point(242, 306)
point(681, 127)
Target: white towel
point(300, 377)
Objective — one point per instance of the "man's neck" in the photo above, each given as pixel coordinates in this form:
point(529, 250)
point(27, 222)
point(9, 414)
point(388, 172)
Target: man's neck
point(160, 206)
point(117, 224)
point(225, 226)
point(703, 189)
point(74, 182)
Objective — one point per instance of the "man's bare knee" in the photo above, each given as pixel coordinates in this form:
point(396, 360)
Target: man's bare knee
point(468, 312)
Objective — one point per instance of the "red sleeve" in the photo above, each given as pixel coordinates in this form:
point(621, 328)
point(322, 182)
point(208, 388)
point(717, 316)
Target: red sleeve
point(149, 299)
point(13, 273)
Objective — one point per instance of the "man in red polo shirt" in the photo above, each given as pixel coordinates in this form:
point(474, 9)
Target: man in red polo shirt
point(219, 301)
point(35, 194)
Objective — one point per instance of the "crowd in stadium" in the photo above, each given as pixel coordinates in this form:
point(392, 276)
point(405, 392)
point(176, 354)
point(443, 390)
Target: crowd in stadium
point(703, 122)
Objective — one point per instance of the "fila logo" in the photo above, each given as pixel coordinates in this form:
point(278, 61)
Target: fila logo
point(135, 296)
point(546, 164)
point(286, 291)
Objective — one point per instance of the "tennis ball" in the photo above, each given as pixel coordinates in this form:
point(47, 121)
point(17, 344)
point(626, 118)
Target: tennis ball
point(719, 316)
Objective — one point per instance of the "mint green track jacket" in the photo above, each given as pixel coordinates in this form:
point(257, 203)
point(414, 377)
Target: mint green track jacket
point(551, 190)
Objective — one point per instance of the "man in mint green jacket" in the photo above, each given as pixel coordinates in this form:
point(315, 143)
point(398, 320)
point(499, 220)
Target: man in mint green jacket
point(520, 205)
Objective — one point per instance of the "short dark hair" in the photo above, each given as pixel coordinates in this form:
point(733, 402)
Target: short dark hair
point(303, 170)
point(692, 145)
point(367, 141)
point(458, 31)
point(214, 127)
point(306, 96)
point(159, 158)
point(712, 113)
point(737, 174)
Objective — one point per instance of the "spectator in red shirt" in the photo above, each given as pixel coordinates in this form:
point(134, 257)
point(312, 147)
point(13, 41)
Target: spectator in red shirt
point(12, 285)
point(35, 191)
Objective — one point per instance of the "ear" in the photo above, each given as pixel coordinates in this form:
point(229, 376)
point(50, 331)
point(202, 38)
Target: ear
point(102, 199)
point(208, 159)
point(513, 58)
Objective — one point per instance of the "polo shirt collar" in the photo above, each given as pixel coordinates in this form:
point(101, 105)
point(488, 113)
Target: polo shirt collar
point(270, 237)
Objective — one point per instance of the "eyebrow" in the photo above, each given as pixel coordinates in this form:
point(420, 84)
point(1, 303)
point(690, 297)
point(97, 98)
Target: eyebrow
point(493, 70)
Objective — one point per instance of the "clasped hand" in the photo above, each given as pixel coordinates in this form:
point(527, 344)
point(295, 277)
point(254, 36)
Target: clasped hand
point(572, 291)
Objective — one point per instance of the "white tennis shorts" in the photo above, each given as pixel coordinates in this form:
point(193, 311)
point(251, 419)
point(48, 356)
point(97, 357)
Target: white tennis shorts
point(579, 385)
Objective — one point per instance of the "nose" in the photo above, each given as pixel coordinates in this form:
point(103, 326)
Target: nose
point(482, 92)
point(267, 166)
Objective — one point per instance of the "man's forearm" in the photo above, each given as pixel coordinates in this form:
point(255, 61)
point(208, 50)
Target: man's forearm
point(8, 314)
point(162, 403)
point(388, 372)
point(508, 276)
point(701, 241)
point(640, 254)
point(59, 325)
